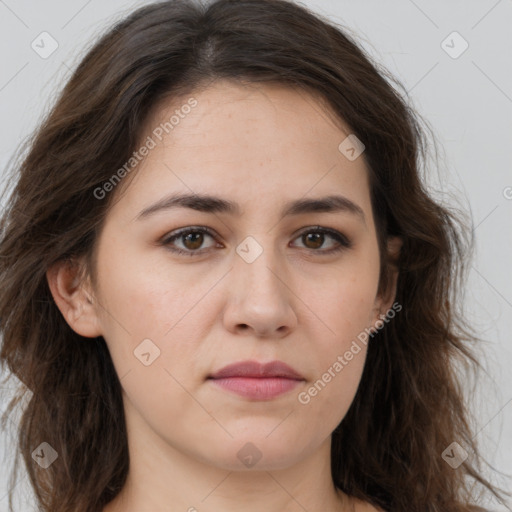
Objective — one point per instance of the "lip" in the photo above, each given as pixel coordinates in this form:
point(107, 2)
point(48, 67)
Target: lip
point(254, 369)
point(257, 381)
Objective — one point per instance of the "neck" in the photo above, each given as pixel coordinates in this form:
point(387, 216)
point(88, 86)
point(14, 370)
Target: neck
point(163, 478)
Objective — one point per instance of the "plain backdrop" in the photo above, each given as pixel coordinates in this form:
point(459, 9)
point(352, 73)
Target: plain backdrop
point(461, 83)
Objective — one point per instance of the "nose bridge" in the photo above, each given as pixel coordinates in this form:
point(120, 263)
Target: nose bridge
point(258, 296)
point(257, 265)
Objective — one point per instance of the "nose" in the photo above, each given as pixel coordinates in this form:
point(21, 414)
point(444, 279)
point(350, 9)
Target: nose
point(260, 298)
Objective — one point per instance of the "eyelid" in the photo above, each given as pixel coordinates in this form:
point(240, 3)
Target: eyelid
point(334, 233)
point(175, 234)
point(344, 242)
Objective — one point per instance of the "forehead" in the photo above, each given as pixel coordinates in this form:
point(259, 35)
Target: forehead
point(259, 144)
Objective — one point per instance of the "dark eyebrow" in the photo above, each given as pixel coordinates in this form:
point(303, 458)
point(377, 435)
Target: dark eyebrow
point(212, 204)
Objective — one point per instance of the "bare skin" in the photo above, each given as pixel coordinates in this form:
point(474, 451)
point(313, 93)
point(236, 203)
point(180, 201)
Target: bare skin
point(260, 146)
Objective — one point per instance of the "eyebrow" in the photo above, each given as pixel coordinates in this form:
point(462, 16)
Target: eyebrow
point(211, 204)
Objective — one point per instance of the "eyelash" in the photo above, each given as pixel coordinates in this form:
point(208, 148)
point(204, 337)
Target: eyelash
point(344, 242)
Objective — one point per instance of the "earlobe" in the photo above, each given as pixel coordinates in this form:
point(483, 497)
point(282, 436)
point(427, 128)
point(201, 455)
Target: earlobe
point(385, 300)
point(73, 299)
point(394, 248)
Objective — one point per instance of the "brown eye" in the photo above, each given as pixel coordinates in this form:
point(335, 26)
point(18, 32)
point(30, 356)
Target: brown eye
point(192, 239)
point(314, 239)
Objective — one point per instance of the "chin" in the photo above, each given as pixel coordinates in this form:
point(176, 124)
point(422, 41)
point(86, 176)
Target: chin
point(256, 453)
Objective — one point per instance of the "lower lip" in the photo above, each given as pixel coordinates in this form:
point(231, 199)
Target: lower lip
point(257, 388)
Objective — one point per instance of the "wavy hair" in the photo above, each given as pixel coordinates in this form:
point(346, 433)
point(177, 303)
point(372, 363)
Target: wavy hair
point(410, 404)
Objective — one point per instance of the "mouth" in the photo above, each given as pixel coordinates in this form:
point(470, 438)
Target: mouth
point(257, 381)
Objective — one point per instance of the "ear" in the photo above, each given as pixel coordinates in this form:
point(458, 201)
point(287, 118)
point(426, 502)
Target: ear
point(385, 299)
point(73, 297)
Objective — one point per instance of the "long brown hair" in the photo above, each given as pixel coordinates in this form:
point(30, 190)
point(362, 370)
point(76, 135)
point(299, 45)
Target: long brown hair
point(409, 406)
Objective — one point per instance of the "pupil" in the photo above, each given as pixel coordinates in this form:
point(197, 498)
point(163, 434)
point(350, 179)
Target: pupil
point(317, 239)
point(196, 240)
point(195, 245)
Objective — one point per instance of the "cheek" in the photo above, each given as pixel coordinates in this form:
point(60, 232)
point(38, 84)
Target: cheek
point(145, 295)
point(324, 402)
point(334, 388)
point(345, 308)
point(154, 301)
point(338, 364)
point(344, 305)
point(152, 329)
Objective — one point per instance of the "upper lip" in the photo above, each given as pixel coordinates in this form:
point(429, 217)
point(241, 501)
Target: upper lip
point(257, 370)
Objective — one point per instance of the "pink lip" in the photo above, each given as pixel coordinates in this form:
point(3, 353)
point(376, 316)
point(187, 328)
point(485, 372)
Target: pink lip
point(257, 381)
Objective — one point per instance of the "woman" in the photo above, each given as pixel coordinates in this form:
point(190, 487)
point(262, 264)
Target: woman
point(225, 284)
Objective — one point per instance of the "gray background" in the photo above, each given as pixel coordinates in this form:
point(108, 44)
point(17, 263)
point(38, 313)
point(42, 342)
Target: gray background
point(467, 100)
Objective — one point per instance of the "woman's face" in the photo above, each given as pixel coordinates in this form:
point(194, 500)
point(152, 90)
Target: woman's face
point(259, 285)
